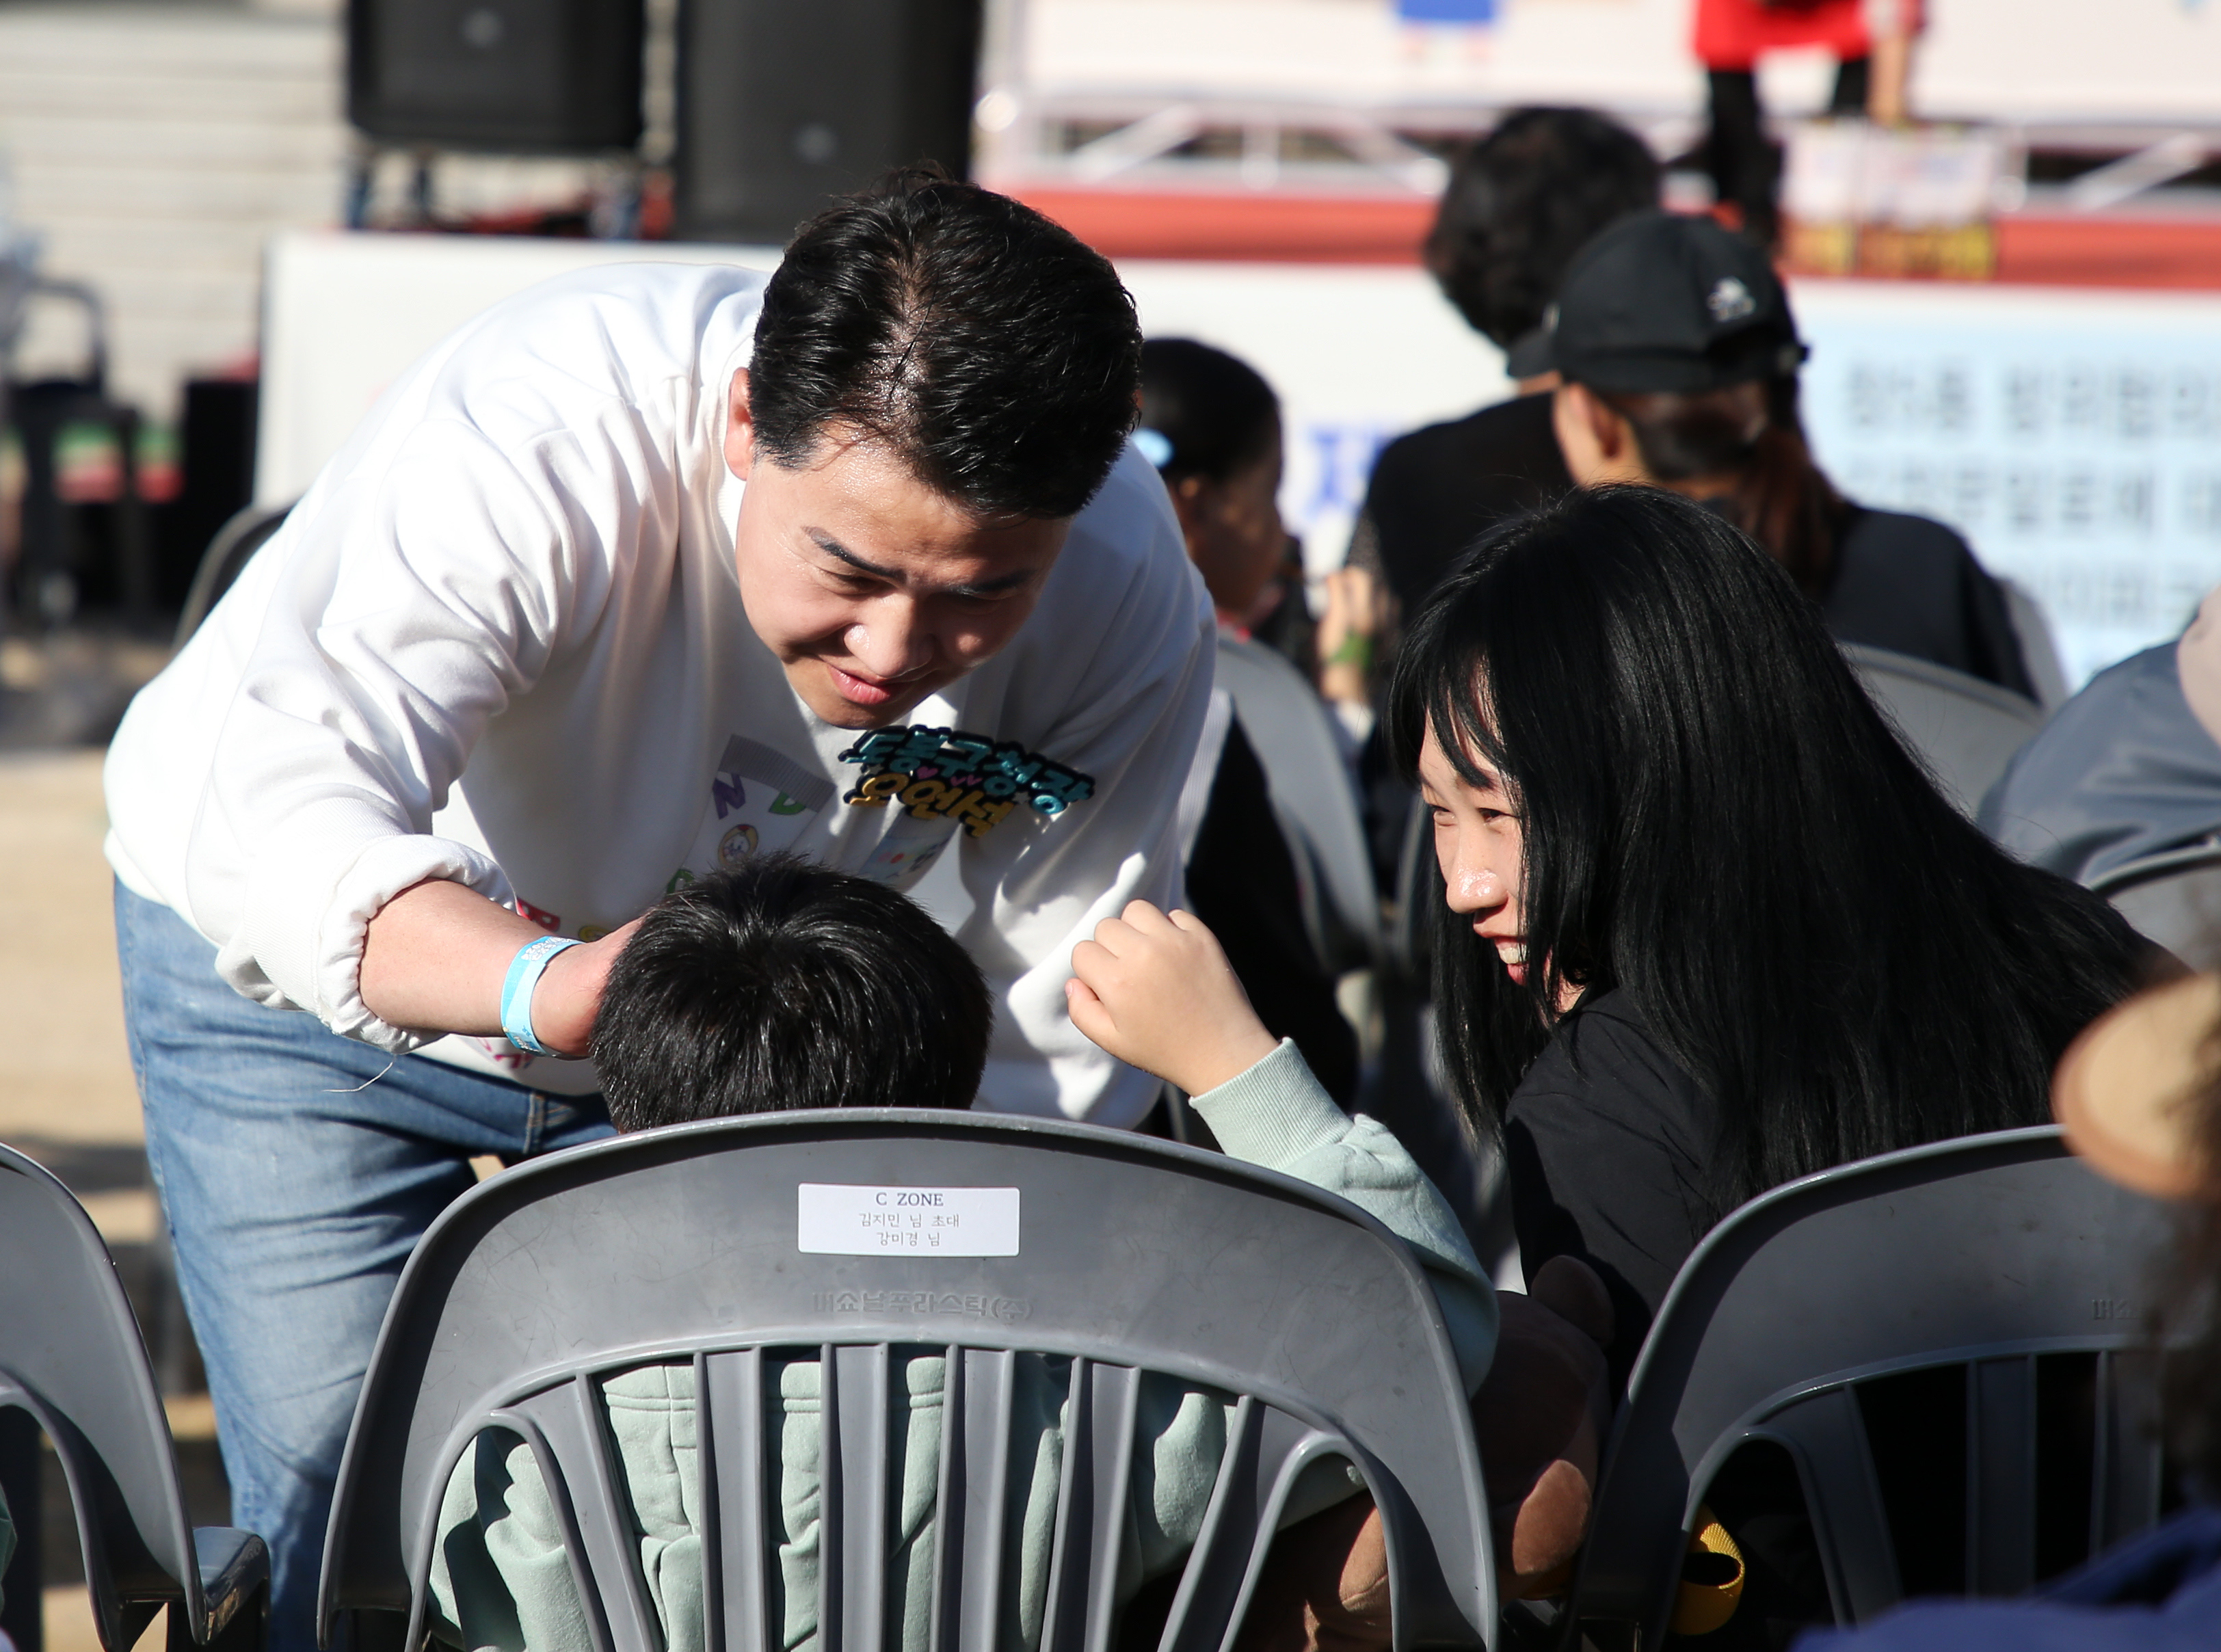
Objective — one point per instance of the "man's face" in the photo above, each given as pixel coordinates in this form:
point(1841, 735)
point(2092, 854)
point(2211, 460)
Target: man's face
point(873, 590)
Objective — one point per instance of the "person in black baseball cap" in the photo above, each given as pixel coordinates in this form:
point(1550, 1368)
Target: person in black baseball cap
point(1661, 304)
point(1678, 355)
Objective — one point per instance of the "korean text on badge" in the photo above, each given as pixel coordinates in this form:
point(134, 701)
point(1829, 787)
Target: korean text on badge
point(836, 1220)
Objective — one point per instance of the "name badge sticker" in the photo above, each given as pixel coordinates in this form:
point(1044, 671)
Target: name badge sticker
point(835, 1220)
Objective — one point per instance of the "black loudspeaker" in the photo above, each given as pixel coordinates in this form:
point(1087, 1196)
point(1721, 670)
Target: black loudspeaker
point(547, 76)
point(783, 103)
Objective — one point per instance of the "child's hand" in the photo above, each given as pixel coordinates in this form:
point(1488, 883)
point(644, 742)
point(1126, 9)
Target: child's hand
point(1157, 992)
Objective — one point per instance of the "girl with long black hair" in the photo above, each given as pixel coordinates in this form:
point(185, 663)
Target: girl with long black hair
point(1707, 925)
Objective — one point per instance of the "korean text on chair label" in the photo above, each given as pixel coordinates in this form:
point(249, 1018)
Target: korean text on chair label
point(841, 1221)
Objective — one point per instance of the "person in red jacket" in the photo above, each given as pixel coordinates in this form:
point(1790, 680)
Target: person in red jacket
point(1872, 41)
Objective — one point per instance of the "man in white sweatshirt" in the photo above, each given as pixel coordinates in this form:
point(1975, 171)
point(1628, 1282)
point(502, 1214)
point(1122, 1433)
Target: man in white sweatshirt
point(642, 573)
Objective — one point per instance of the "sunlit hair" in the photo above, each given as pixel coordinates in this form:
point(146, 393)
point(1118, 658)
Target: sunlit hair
point(785, 984)
point(993, 352)
point(1777, 493)
point(1717, 820)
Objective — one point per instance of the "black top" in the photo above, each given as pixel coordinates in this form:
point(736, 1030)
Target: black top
point(1608, 1146)
point(1901, 583)
point(1435, 491)
point(1242, 882)
point(1910, 585)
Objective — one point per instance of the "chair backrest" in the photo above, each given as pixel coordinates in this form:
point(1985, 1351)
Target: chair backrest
point(71, 1355)
point(1989, 1255)
point(2172, 897)
point(244, 533)
point(1127, 1255)
point(1966, 729)
point(1312, 793)
point(2039, 647)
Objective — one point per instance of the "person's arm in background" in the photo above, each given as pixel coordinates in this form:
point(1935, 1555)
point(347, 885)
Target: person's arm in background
point(1351, 633)
point(2198, 664)
point(1891, 27)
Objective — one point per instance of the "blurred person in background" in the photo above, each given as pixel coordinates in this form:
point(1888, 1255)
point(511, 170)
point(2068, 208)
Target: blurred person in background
point(2129, 768)
point(1872, 41)
point(1269, 813)
point(1520, 203)
point(1679, 357)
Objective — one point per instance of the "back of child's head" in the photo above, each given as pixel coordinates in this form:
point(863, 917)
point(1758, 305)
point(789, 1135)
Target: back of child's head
point(782, 985)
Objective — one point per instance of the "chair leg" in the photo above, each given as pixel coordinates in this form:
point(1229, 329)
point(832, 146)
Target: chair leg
point(249, 1630)
point(21, 1473)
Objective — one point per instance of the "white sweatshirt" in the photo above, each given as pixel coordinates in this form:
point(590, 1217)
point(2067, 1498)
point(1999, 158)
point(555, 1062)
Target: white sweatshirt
point(501, 641)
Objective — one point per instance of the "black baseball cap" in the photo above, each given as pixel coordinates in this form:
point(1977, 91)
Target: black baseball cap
point(1661, 301)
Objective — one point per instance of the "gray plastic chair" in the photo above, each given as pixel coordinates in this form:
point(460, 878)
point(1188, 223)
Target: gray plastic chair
point(71, 1355)
point(1133, 1255)
point(246, 531)
point(1985, 1254)
point(2172, 897)
point(1967, 730)
point(2039, 647)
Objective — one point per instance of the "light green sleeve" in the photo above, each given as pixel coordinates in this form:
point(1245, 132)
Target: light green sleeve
point(1276, 1115)
point(501, 1580)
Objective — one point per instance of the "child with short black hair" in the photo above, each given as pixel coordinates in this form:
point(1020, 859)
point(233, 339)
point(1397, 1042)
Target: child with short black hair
point(786, 984)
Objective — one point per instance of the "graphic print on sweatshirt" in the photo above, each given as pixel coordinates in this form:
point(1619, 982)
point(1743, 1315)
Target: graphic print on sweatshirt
point(950, 774)
point(759, 800)
point(938, 778)
point(762, 800)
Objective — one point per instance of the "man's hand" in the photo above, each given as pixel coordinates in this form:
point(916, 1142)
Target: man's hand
point(569, 995)
point(1157, 993)
point(435, 957)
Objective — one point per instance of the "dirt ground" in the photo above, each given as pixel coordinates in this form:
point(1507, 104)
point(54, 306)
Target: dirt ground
point(67, 1098)
point(61, 1016)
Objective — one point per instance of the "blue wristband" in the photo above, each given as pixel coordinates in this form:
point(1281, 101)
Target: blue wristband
point(524, 972)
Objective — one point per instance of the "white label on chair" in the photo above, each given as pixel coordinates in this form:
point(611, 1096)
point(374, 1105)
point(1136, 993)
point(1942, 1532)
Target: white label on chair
point(839, 1221)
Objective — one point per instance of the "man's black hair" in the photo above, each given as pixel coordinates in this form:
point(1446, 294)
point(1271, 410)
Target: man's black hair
point(1521, 201)
point(993, 352)
point(783, 984)
point(1215, 411)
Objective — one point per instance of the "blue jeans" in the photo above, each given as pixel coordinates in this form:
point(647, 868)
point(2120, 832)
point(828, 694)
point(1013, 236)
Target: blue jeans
point(296, 1172)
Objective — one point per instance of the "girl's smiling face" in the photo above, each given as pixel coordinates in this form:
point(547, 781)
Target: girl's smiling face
point(1478, 846)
